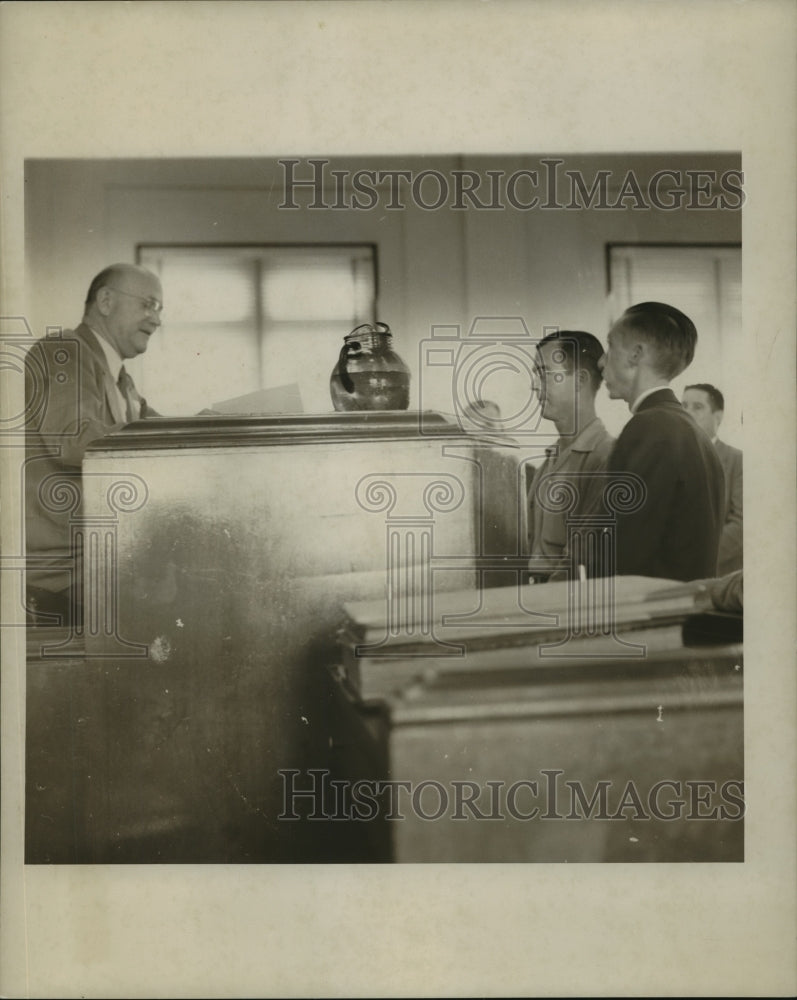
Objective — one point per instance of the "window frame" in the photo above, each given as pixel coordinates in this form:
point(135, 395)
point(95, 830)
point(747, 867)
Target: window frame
point(257, 251)
point(658, 245)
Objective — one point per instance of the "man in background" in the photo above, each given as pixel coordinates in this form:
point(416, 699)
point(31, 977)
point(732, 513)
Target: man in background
point(78, 390)
point(674, 532)
point(706, 405)
point(568, 379)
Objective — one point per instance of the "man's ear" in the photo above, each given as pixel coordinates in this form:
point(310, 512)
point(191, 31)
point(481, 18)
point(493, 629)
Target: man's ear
point(637, 351)
point(104, 300)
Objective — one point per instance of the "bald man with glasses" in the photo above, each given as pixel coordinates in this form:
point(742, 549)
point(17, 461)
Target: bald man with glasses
point(78, 390)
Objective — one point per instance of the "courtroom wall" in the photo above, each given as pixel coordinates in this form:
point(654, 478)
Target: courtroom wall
point(436, 267)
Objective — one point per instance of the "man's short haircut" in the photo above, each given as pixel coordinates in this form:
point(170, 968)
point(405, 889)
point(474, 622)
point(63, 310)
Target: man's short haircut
point(715, 397)
point(104, 278)
point(670, 332)
point(582, 350)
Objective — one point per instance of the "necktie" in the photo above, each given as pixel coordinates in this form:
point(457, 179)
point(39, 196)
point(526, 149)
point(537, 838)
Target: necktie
point(132, 399)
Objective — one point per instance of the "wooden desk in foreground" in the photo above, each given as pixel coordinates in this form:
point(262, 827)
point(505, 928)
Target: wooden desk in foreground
point(578, 721)
point(603, 762)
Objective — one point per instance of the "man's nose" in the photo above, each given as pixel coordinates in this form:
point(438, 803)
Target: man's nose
point(602, 362)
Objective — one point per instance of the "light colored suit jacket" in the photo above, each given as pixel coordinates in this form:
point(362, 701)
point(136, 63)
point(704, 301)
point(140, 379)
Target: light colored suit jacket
point(731, 540)
point(71, 400)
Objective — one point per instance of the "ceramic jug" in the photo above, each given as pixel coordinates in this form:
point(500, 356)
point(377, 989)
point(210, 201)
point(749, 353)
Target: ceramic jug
point(369, 374)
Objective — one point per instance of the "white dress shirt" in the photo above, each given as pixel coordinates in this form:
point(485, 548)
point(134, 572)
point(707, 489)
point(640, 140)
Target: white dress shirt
point(646, 393)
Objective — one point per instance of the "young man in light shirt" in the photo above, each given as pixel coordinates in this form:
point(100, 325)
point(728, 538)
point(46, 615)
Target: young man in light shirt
point(568, 379)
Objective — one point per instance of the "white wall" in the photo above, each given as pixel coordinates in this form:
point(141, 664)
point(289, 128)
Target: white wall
point(441, 267)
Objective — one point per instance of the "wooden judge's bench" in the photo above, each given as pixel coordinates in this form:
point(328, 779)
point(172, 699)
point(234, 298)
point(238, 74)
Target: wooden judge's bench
point(308, 638)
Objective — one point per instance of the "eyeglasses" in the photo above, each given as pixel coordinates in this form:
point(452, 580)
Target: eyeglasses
point(557, 375)
point(150, 304)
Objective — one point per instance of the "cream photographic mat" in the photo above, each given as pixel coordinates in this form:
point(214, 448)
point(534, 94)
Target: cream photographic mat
point(98, 81)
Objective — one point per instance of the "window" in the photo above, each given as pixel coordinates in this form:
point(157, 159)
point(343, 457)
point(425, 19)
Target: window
point(705, 282)
point(237, 319)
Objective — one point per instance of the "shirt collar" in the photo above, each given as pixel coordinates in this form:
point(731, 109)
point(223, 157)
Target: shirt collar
point(646, 393)
point(588, 438)
point(112, 356)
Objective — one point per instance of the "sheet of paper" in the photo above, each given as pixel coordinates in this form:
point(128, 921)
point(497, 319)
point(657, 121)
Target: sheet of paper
point(279, 399)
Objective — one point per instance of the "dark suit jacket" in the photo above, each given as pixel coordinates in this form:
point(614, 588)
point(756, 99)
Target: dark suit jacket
point(731, 539)
point(71, 400)
point(675, 532)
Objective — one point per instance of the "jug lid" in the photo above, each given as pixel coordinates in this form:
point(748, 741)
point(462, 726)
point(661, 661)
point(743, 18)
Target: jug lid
point(369, 328)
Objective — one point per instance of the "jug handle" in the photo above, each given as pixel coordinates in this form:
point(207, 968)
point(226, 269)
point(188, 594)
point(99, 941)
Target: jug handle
point(345, 378)
point(343, 357)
